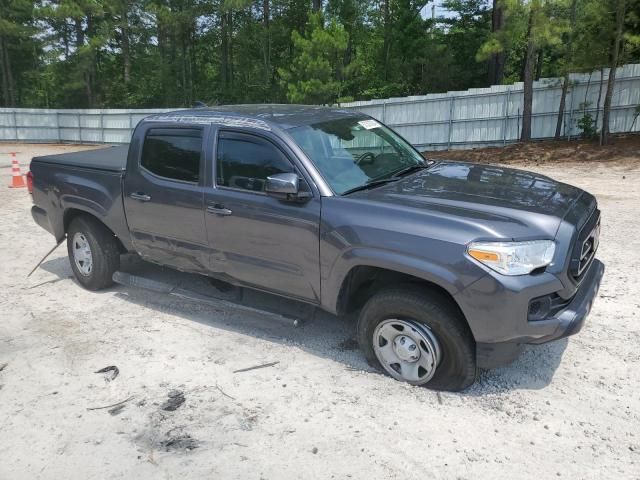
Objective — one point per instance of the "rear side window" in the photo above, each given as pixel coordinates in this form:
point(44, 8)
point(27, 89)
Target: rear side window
point(245, 161)
point(173, 153)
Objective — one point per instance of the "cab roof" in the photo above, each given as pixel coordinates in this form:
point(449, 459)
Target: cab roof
point(257, 115)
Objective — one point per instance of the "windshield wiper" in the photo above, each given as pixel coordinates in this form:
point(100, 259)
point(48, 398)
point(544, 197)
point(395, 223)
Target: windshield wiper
point(412, 168)
point(368, 185)
point(392, 178)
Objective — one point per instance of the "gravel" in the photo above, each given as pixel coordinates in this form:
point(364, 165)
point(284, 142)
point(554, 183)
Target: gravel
point(569, 408)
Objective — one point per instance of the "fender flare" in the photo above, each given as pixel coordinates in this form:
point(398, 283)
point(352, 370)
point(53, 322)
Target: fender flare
point(90, 208)
point(395, 261)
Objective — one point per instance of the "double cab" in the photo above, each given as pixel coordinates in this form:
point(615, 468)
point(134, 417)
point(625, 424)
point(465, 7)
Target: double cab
point(450, 266)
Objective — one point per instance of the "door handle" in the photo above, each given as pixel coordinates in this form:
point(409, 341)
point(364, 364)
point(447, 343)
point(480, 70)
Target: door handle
point(218, 210)
point(140, 196)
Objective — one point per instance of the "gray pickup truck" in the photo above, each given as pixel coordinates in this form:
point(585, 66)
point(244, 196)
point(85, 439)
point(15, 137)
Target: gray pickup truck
point(452, 266)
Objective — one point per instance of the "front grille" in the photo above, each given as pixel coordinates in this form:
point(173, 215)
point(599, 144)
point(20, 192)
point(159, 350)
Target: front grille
point(586, 246)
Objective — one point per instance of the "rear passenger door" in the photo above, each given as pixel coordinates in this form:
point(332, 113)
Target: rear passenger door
point(163, 197)
point(264, 242)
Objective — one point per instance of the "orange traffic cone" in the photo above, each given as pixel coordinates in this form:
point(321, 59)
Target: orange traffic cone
point(17, 180)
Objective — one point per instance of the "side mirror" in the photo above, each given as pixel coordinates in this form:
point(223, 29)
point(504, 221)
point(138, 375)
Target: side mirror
point(282, 184)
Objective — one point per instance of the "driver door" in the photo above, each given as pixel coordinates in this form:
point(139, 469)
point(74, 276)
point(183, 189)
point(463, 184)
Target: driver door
point(261, 241)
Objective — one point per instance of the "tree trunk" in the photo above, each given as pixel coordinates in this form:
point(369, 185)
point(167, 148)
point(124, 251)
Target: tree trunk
point(224, 47)
point(615, 56)
point(316, 5)
point(586, 95)
point(539, 63)
point(162, 49)
point(565, 83)
point(90, 73)
point(386, 47)
point(529, 67)
point(266, 46)
point(348, 53)
point(87, 88)
point(496, 61)
point(79, 33)
point(563, 102)
point(126, 46)
point(8, 90)
point(65, 40)
point(599, 97)
point(3, 79)
point(230, 32)
point(183, 64)
point(226, 68)
point(606, 109)
point(193, 66)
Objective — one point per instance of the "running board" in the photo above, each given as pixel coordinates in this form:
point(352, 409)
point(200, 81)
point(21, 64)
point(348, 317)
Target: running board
point(129, 280)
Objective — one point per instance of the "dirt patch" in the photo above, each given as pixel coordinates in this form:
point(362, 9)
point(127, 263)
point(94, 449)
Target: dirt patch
point(623, 150)
point(181, 442)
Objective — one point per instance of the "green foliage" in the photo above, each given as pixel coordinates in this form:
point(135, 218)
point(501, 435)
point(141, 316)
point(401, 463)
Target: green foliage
point(588, 126)
point(314, 75)
point(170, 53)
point(466, 33)
point(18, 50)
point(550, 22)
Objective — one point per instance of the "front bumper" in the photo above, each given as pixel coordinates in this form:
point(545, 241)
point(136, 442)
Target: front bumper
point(499, 338)
point(571, 319)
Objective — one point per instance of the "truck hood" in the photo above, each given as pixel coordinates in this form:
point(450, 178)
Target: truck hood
point(515, 203)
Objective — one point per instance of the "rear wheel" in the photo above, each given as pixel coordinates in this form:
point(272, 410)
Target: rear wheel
point(93, 253)
point(418, 336)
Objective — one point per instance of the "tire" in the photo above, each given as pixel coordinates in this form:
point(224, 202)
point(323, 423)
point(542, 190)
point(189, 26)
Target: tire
point(103, 252)
point(429, 316)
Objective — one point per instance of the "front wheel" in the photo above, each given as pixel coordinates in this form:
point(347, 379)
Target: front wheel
point(418, 336)
point(93, 253)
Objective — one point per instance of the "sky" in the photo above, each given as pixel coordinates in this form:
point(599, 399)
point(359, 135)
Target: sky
point(440, 11)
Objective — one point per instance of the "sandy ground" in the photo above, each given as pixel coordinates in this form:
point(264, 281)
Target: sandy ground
point(569, 409)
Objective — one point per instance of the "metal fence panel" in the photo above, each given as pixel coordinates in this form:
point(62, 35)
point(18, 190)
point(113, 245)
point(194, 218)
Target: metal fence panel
point(476, 117)
point(493, 116)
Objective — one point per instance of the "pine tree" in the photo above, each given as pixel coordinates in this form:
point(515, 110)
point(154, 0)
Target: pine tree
point(314, 74)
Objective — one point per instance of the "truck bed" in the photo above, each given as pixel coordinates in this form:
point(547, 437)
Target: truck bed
point(89, 181)
point(112, 158)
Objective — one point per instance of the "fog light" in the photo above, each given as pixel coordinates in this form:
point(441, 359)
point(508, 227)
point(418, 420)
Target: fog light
point(539, 308)
point(542, 308)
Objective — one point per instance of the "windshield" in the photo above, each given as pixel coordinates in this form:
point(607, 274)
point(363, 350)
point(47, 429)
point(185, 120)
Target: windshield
point(352, 152)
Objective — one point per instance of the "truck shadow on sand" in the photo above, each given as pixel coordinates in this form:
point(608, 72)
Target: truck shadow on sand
point(276, 319)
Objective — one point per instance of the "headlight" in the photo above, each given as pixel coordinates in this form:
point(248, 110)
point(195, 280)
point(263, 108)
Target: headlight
point(513, 258)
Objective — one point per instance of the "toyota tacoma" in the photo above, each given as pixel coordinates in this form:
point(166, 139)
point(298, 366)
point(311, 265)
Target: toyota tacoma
point(451, 266)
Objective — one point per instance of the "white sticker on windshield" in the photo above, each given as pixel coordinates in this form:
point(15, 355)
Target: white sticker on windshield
point(369, 124)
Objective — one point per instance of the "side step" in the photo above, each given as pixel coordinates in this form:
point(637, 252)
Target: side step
point(129, 280)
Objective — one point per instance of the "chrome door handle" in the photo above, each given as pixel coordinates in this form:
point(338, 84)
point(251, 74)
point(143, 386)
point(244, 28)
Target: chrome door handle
point(140, 196)
point(218, 210)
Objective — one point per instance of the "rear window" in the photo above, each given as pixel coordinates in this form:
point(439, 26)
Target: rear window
point(173, 153)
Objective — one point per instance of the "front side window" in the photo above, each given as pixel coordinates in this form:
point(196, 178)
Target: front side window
point(351, 152)
point(245, 161)
point(173, 153)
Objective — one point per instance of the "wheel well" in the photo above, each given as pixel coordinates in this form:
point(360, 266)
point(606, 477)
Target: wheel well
point(363, 282)
point(72, 213)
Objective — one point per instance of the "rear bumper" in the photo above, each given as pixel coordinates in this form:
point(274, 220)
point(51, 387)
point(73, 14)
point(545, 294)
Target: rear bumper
point(566, 322)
